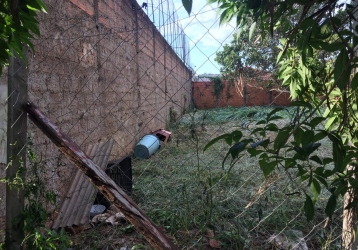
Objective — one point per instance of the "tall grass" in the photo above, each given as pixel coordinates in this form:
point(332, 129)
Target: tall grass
point(191, 196)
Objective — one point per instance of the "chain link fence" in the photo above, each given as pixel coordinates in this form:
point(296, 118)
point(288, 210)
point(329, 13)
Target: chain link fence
point(108, 74)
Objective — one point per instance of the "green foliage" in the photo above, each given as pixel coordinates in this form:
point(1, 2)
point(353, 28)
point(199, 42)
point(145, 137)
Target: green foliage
point(248, 49)
point(218, 86)
point(18, 24)
point(34, 214)
point(187, 5)
point(224, 199)
point(243, 115)
point(317, 61)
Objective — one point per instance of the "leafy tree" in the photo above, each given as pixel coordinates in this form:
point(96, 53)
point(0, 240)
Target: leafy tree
point(317, 60)
point(17, 25)
point(242, 52)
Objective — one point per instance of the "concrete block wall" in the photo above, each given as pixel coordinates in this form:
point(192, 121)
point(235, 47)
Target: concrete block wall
point(255, 95)
point(101, 69)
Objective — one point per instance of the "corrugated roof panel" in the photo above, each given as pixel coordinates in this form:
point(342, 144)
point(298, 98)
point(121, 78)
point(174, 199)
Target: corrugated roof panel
point(76, 206)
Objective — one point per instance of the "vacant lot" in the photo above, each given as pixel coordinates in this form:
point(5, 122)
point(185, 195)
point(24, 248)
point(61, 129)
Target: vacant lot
point(203, 204)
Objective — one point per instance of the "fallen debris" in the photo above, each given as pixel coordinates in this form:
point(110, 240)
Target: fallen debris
point(147, 146)
point(162, 134)
point(114, 219)
point(98, 177)
point(75, 208)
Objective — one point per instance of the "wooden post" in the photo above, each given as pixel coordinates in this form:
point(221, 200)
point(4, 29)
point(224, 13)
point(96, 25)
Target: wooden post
point(98, 177)
point(16, 151)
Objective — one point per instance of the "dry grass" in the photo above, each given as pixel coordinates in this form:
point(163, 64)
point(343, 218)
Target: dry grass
point(190, 194)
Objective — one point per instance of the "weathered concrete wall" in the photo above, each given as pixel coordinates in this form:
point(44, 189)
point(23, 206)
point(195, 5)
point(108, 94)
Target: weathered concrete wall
point(204, 96)
point(101, 69)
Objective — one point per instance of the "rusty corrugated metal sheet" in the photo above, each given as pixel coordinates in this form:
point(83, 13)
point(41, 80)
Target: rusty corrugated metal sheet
point(75, 209)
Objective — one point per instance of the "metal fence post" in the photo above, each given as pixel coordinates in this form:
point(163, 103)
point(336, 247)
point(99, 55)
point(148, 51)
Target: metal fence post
point(16, 151)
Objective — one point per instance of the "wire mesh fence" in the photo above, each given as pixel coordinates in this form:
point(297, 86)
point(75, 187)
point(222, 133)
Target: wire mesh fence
point(108, 73)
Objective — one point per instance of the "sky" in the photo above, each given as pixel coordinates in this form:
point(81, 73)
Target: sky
point(202, 29)
point(205, 35)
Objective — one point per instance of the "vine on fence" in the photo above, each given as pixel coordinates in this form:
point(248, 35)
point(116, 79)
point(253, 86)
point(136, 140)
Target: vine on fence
point(218, 86)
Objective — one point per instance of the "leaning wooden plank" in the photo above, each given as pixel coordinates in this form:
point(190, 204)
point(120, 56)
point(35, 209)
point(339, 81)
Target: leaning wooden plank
point(98, 177)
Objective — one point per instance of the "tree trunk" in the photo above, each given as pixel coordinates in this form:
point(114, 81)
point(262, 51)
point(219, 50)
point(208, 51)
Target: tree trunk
point(349, 241)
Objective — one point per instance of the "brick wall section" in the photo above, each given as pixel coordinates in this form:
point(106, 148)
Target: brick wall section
point(101, 72)
point(204, 97)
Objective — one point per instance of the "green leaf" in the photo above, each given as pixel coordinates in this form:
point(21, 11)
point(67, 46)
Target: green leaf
point(315, 121)
point(322, 180)
point(290, 163)
point(215, 140)
point(261, 122)
point(307, 52)
point(315, 188)
point(298, 135)
point(301, 152)
point(354, 83)
point(301, 171)
point(307, 23)
point(301, 2)
point(331, 206)
point(236, 135)
point(338, 152)
point(281, 138)
point(271, 127)
point(42, 5)
point(257, 130)
point(336, 21)
point(308, 208)
point(310, 148)
point(307, 138)
point(236, 149)
point(331, 47)
point(253, 4)
point(228, 140)
point(342, 69)
point(254, 151)
point(353, 182)
point(274, 117)
point(223, 16)
point(274, 111)
point(319, 136)
point(315, 158)
point(267, 167)
point(330, 122)
point(301, 104)
point(252, 29)
point(327, 160)
point(187, 5)
point(225, 158)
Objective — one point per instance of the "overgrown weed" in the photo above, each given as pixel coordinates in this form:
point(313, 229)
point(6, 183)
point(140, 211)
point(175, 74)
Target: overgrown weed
point(242, 208)
point(198, 204)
